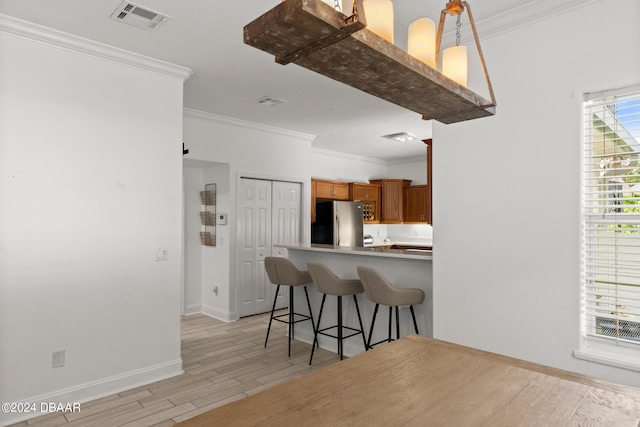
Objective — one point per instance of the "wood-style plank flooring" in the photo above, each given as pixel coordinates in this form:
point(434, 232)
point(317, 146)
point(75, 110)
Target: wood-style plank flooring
point(223, 362)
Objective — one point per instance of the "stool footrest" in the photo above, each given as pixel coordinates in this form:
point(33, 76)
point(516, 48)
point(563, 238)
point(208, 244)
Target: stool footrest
point(301, 318)
point(354, 332)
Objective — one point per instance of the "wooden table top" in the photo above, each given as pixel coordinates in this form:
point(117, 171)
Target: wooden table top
point(418, 381)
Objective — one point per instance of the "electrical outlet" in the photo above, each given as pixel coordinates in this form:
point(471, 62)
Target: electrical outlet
point(57, 359)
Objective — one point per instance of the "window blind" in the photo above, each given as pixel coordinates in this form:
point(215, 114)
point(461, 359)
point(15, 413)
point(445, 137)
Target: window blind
point(611, 215)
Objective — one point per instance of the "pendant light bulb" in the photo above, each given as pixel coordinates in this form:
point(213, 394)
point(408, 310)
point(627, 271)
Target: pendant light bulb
point(422, 41)
point(454, 64)
point(379, 15)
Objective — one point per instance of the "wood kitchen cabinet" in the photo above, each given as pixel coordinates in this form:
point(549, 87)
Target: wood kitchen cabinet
point(369, 195)
point(331, 190)
point(416, 204)
point(392, 199)
point(314, 195)
point(327, 190)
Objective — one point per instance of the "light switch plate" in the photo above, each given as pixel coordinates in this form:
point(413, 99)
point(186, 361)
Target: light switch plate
point(57, 359)
point(161, 254)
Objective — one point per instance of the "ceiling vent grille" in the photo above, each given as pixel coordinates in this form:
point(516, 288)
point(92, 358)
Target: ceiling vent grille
point(269, 101)
point(138, 16)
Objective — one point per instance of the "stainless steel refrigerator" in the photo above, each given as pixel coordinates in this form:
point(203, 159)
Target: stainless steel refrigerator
point(338, 223)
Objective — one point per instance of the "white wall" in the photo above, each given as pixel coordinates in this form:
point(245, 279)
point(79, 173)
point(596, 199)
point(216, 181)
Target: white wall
point(413, 169)
point(216, 260)
point(90, 178)
point(205, 267)
point(193, 183)
point(345, 167)
point(240, 149)
point(252, 150)
point(507, 189)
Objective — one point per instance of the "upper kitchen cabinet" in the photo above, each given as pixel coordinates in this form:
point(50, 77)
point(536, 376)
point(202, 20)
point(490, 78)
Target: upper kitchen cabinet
point(331, 190)
point(314, 192)
point(369, 195)
point(416, 204)
point(392, 192)
point(327, 190)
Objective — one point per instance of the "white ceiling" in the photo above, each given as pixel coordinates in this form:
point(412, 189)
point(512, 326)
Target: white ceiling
point(229, 76)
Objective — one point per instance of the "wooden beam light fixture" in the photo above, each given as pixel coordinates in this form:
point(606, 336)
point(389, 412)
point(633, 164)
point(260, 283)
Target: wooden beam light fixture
point(454, 59)
point(317, 36)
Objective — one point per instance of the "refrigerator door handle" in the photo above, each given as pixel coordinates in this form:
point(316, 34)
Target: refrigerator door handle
point(337, 230)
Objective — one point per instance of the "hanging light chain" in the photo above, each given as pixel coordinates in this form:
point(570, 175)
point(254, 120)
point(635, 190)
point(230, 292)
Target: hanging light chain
point(458, 26)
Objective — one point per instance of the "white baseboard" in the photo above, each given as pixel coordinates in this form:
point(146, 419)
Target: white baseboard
point(351, 346)
point(96, 389)
point(224, 316)
point(192, 309)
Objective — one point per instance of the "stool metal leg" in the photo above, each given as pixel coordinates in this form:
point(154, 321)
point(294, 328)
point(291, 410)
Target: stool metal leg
point(355, 299)
point(313, 325)
point(397, 322)
point(275, 298)
point(340, 326)
point(315, 335)
point(291, 315)
point(373, 322)
point(390, 322)
point(415, 324)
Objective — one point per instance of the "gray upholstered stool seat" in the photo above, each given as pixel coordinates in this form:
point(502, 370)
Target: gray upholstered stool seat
point(327, 283)
point(282, 272)
point(380, 291)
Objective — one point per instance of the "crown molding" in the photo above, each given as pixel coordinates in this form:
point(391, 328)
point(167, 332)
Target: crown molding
point(189, 112)
point(50, 37)
point(528, 14)
point(331, 153)
point(513, 19)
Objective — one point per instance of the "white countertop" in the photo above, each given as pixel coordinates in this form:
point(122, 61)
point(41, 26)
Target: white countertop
point(368, 251)
point(403, 241)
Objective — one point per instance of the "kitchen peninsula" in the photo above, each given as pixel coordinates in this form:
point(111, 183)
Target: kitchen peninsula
point(403, 268)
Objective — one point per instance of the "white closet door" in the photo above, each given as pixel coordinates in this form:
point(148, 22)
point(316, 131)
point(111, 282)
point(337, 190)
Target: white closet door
point(286, 214)
point(254, 245)
point(285, 223)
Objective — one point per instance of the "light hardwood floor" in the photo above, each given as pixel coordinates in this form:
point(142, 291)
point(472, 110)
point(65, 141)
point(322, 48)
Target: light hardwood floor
point(223, 362)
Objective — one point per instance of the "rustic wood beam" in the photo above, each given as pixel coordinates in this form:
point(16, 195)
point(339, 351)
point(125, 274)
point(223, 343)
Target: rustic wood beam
point(315, 36)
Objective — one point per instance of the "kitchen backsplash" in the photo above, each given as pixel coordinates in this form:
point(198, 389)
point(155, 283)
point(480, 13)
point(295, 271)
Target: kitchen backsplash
point(398, 231)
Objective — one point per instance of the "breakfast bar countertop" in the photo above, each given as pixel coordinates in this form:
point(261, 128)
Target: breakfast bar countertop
point(367, 251)
point(403, 268)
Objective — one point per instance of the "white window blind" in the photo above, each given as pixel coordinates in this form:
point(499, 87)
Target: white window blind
point(611, 216)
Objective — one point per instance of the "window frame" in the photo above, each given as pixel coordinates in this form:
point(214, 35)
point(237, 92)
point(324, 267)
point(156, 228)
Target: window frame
point(600, 216)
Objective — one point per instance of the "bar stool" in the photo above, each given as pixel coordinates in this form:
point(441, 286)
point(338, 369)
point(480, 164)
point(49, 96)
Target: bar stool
point(380, 291)
point(327, 283)
point(282, 272)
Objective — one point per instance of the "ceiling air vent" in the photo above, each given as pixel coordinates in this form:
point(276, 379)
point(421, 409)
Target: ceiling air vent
point(138, 16)
point(269, 101)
